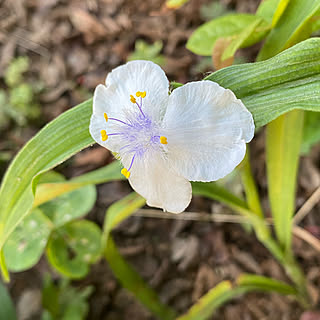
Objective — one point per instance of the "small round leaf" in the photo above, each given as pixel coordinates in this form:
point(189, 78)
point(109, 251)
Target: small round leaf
point(73, 247)
point(25, 245)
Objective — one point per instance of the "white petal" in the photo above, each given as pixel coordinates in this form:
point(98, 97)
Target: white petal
point(114, 99)
point(159, 185)
point(207, 128)
point(103, 102)
point(142, 76)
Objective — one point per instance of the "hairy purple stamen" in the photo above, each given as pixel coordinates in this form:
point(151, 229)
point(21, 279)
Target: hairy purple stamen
point(121, 121)
point(140, 107)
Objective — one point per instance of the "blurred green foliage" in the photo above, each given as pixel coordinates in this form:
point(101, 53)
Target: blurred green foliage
point(145, 51)
point(64, 302)
point(311, 131)
point(213, 10)
point(18, 100)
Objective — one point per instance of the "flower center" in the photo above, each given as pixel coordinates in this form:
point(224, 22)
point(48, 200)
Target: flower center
point(138, 133)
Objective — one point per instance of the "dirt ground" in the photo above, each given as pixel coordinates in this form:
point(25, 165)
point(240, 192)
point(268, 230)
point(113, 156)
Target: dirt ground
point(72, 45)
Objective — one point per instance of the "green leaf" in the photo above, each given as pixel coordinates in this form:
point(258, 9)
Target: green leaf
point(279, 11)
point(70, 206)
point(283, 142)
point(214, 191)
point(315, 22)
point(62, 301)
point(267, 9)
point(261, 283)
point(293, 26)
point(127, 276)
point(145, 51)
point(73, 247)
point(249, 185)
point(132, 281)
point(224, 292)
point(56, 142)
point(52, 189)
point(203, 39)
point(7, 310)
point(270, 88)
point(239, 41)
point(210, 302)
point(28, 241)
point(311, 131)
point(119, 211)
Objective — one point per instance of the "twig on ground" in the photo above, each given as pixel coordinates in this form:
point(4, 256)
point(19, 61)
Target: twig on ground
point(307, 206)
point(307, 237)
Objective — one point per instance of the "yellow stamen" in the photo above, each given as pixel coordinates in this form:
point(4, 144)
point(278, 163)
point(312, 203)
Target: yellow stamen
point(126, 173)
point(106, 117)
point(141, 94)
point(104, 136)
point(163, 140)
point(132, 99)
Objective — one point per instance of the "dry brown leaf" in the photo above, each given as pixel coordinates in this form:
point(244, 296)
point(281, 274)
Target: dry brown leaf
point(87, 24)
point(217, 52)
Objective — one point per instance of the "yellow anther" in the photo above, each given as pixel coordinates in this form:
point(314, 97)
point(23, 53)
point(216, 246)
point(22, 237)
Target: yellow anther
point(106, 117)
point(125, 172)
point(104, 136)
point(141, 94)
point(132, 99)
point(163, 140)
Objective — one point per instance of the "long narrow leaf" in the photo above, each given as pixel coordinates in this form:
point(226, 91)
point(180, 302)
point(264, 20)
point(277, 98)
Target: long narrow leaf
point(119, 211)
point(288, 81)
point(49, 191)
point(261, 283)
point(292, 26)
point(225, 292)
point(211, 301)
point(128, 277)
point(132, 281)
point(58, 141)
point(283, 139)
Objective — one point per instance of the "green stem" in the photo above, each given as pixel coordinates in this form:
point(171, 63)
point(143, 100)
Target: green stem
point(250, 186)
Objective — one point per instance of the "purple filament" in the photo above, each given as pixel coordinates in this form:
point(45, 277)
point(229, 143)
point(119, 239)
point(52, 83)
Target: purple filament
point(131, 163)
point(115, 134)
point(121, 121)
point(139, 106)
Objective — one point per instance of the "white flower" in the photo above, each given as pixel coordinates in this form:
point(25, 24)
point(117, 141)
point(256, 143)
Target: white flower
point(196, 133)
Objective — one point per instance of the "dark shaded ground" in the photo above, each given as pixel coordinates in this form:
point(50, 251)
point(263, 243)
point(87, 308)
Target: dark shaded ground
point(72, 46)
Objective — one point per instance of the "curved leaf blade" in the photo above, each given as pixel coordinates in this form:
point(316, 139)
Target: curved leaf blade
point(119, 211)
point(283, 144)
point(58, 141)
point(292, 26)
point(273, 87)
point(261, 283)
point(203, 39)
point(133, 282)
point(224, 292)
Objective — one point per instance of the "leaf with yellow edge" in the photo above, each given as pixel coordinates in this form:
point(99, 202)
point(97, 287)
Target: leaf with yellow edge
point(279, 11)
